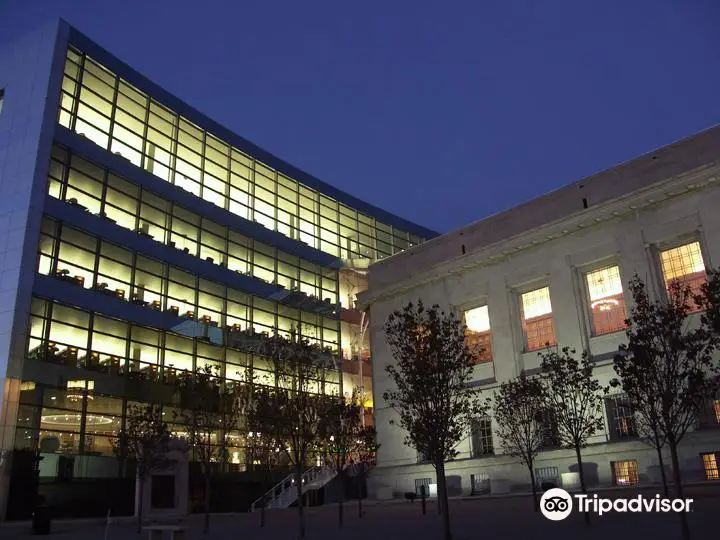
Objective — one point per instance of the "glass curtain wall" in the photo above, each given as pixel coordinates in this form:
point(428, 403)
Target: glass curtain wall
point(112, 113)
point(101, 192)
point(108, 364)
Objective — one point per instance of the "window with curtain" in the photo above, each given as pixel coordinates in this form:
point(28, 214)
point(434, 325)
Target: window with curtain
point(607, 303)
point(537, 322)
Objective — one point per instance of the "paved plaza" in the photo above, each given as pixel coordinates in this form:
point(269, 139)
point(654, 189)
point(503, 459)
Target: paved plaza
point(481, 518)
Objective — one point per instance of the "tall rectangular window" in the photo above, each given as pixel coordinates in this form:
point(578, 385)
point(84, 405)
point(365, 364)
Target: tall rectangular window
point(481, 437)
point(621, 422)
point(607, 304)
point(710, 464)
point(477, 333)
point(684, 265)
point(537, 322)
point(710, 414)
point(550, 432)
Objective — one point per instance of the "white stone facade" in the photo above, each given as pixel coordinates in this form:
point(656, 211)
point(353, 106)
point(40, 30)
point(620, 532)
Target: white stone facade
point(624, 216)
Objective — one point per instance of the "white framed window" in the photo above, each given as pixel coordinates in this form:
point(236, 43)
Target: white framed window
point(537, 320)
point(477, 332)
point(481, 438)
point(606, 300)
point(683, 264)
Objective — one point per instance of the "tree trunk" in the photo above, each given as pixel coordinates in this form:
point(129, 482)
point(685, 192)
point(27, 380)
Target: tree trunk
point(341, 481)
point(678, 488)
point(536, 503)
point(583, 487)
point(140, 506)
point(443, 499)
point(340, 512)
point(206, 526)
point(666, 491)
point(301, 513)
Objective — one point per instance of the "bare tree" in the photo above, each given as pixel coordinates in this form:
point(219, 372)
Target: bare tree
point(575, 398)
point(211, 411)
point(364, 460)
point(342, 431)
point(519, 409)
point(144, 438)
point(668, 365)
point(290, 414)
point(433, 366)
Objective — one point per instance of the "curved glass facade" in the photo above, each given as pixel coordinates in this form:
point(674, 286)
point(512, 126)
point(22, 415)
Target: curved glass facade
point(115, 115)
point(122, 202)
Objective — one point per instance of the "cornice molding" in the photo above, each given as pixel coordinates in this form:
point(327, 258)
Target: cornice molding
point(652, 196)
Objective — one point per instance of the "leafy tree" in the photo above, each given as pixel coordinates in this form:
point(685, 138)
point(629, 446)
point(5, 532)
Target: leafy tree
point(644, 402)
point(709, 302)
point(519, 408)
point(575, 398)
point(667, 367)
point(341, 431)
point(144, 438)
point(433, 366)
point(211, 411)
point(643, 394)
point(290, 414)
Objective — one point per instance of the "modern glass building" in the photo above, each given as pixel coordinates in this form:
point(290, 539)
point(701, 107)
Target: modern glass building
point(141, 239)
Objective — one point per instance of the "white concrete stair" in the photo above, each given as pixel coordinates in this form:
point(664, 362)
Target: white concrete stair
point(284, 493)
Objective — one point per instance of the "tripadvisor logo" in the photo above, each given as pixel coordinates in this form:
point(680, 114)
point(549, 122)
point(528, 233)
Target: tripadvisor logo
point(556, 504)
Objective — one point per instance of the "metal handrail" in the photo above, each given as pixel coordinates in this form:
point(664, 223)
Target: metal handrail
point(308, 476)
point(273, 491)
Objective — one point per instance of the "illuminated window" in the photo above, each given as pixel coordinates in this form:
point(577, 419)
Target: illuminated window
point(109, 111)
point(607, 305)
point(710, 464)
point(477, 333)
point(625, 473)
point(684, 265)
point(537, 320)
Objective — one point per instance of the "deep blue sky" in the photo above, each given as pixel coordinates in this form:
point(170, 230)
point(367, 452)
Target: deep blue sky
point(441, 112)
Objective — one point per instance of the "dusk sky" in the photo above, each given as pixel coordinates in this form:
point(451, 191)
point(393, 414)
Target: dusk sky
point(441, 112)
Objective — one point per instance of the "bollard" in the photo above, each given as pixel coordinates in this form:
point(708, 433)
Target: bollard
point(422, 498)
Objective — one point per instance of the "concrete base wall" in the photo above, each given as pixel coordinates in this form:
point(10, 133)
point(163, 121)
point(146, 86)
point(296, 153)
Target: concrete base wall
point(510, 472)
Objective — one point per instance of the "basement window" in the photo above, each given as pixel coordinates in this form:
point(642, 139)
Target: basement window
point(625, 473)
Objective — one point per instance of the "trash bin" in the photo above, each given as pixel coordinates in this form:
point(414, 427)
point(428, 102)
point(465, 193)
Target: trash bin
point(41, 519)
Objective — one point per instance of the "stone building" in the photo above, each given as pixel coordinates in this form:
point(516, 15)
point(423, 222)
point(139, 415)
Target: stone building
point(556, 269)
